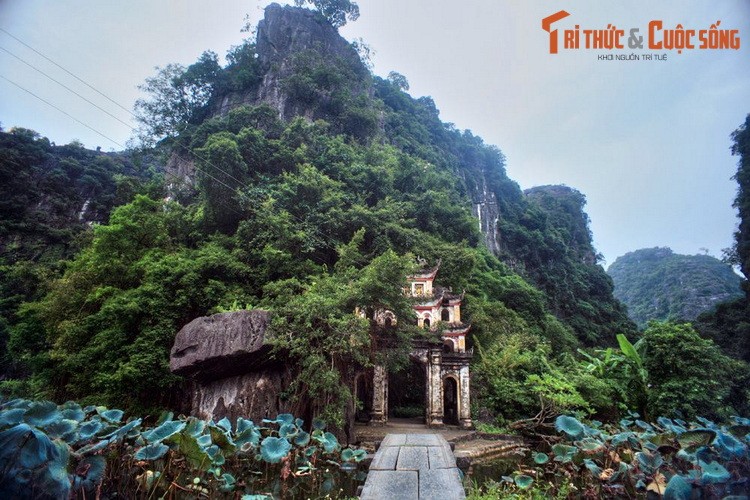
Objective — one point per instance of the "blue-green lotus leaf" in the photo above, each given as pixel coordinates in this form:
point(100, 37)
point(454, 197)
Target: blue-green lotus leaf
point(626, 423)
point(60, 428)
point(729, 447)
point(650, 446)
point(592, 467)
point(523, 481)
point(644, 425)
point(687, 456)
point(714, 473)
point(11, 417)
point(41, 413)
point(72, 411)
point(17, 403)
point(273, 449)
point(678, 489)
point(708, 423)
point(288, 430)
point(222, 439)
point(347, 455)
point(590, 445)
point(164, 431)
point(318, 424)
point(89, 409)
point(229, 482)
point(360, 454)
point(152, 451)
point(123, 431)
point(302, 439)
point(225, 424)
point(248, 435)
point(691, 440)
point(571, 427)
point(89, 429)
point(310, 451)
point(111, 416)
point(649, 462)
point(244, 424)
point(195, 427)
point(204, 441)
point(299, 423)
point(89, 473)
point(621, 438)
point(564, 453)
point(740, 420)
point(329, 442)
point(285, 418)
point(541, 458)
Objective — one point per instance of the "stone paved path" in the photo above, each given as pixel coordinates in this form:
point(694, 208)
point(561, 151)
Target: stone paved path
point(411, 467)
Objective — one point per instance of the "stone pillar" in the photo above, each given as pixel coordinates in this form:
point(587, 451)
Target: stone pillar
point(379, 413)
point(464, 409)
point(435, 389)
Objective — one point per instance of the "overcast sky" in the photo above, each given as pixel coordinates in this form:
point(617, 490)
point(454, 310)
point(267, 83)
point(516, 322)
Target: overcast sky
point(647, 142)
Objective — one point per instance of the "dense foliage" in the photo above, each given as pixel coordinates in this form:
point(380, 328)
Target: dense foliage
point(69, 451)
point(667, 458)
point(656, 283)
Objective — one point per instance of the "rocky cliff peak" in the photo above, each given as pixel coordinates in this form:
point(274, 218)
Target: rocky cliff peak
point(297, 49)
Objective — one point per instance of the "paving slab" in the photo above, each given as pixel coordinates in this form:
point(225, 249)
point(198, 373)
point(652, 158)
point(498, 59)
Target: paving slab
point(385, 458)
point(441, 483)
point(392, 485)
point(412, 458)
point(440, 457)
point(424, 440)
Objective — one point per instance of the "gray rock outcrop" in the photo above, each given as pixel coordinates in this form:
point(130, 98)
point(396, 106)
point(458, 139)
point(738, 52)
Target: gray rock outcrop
point(222, 345)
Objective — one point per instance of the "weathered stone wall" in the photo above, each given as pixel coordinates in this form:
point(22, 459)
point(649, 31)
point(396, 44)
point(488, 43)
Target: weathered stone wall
point(254, 396)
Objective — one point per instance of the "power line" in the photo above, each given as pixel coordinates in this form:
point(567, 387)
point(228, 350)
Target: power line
point(67, 71)
point(62, 111)
point(65, 86)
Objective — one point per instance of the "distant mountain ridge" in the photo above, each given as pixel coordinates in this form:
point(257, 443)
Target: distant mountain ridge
point(658, 284)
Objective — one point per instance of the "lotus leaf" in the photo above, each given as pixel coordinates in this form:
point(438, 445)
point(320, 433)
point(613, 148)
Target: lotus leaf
point(273, 449)
point(60, 428)
point(89, 473)
point(222, 439)
point(112, 416)
point(195, 426)
point(204, 441)
point(191, 450)
point(592, 467)
point(649, 462)
point(225, 424)
point(285, 418)
point(214, 452)
point(288, 430)
point(590, 445)
point(229, 482)
point(164, 431)
point(714, 473)
point(621, 438)
point(678, 489)
point(693, 439)
point(523, 481)
point(11, 417)
point(571, 427)
point(124, 430)
point(541, 458)
point(89, 429)
point(329, 442)
point(310, 451)
point(564, 453)
point(152, 451)
point(302, 439)
point(41, 413)
point(165, 416)
point(347, 454)
point(729, 447)
point(244, 424)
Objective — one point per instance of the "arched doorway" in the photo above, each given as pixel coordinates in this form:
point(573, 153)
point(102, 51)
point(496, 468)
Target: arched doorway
point(450, 401)
point(445, 315)
point(363, 397)
point(406, 392)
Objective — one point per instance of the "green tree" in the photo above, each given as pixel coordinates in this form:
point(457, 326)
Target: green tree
point(337, 12)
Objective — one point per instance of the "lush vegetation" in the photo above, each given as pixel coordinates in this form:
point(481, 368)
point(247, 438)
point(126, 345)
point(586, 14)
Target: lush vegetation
point(314, 218)
point(667, 458)
point(69, 451)
point(656, 283)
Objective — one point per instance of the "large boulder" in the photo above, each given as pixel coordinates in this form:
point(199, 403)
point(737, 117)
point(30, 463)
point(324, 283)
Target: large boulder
point(222, 345)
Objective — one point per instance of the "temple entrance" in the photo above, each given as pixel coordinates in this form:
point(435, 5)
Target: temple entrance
point(406, 392)
point(450, 401)
point(363, 396)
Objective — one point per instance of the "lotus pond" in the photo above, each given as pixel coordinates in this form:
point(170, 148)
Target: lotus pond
point(69, 451)
point(633, 459)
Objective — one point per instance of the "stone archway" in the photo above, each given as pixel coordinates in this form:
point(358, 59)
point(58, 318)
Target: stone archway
point(407, 391)
point(450, 400)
